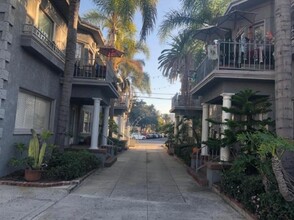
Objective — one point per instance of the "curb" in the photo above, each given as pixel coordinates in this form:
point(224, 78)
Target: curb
point(73, 183)
point(234, 204)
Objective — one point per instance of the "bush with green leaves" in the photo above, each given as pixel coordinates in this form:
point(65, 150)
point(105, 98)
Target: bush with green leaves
point(71, 164)
point(254, 182)
point(184, 152)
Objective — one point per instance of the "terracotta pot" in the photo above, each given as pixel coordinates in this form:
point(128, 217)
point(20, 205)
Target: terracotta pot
point(32, 175)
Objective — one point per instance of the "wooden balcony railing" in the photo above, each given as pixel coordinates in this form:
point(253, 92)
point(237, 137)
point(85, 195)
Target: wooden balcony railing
point(253, 56)
point(90, 69)
point(31, 30)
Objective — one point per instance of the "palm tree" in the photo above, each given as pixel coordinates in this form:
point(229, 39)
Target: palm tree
point(176, 61)
point(68, 71)
point(192, 16)
point(283, 66)
point(126, 9)
point(283, 84)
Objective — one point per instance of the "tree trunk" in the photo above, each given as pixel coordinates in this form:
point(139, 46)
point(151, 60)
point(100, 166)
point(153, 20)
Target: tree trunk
point(64, 107)
point(283, 66)
point(282, 179)
point(185, 79)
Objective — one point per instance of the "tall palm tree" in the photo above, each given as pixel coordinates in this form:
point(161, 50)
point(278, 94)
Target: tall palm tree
point(283, 66)
point(68, 71)
point(283, 86)
point(176, 61)
point(126, 9)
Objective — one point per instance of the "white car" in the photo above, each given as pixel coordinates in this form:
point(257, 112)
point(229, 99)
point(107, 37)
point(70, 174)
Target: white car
point(138, 136)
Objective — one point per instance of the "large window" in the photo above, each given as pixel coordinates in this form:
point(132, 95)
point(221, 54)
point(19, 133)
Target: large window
point(32, 112)
point(46, 25)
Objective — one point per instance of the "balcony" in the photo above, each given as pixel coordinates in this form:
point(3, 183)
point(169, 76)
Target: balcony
point(93, 80)
point(234, 62)
point(121, 105)
point(36, 42)
point(185, 105)
point(90, 69)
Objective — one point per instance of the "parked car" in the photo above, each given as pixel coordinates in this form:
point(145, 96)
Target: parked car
point(138, 136)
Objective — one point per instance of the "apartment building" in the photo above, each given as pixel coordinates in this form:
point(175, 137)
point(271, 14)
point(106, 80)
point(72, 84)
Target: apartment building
point(33, 37)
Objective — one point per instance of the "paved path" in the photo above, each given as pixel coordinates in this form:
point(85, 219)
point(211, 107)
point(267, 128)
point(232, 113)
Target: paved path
point(145, 183)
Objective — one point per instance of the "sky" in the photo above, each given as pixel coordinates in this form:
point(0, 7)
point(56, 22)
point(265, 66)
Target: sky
point(162, 90)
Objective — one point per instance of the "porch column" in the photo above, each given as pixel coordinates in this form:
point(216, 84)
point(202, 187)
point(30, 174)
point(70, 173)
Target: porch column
point(225, 151)
point(95, 124)
point(105, 125)
point(204, 133)
point(119, 125)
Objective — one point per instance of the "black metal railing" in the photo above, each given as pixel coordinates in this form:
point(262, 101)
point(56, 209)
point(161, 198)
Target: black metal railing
point(122, 101)
point(184, 100)
point(31, 30)
point(253, 56)
point(92, 70)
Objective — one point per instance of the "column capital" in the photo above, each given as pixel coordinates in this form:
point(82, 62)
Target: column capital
point(97, 99)
point(227, 95)
point(204, 104)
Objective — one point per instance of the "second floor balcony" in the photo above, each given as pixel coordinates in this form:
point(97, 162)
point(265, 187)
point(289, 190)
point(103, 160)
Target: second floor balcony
point(37, 42)
point(185, 105)
point(90, 69)
point(121, 104)
point(234, 61)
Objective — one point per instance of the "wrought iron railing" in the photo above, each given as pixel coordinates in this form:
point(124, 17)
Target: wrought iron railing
point(253, 56)
point(92, 70)
point(184, 100)
point(31, 30)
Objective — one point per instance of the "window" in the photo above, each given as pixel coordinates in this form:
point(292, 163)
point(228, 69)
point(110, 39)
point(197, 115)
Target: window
point(32, 112)
point(87, 122)
point(79, 51)
point(46, 25)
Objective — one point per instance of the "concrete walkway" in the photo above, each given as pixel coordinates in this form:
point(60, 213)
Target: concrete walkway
point(145, 183)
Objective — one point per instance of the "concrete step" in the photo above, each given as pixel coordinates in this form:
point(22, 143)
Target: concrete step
point(110, 161)
point(199, 176)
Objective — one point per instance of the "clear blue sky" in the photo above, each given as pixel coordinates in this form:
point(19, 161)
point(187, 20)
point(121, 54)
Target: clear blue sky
point(160, 86)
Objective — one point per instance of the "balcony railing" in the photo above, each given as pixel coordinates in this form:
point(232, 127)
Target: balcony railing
point(236, 56)
point(184, 101)
point(90, 69)
point(122, 101)
point(31, 30)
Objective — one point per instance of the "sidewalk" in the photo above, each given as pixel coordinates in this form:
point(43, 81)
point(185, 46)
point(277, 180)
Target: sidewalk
point(145, 183)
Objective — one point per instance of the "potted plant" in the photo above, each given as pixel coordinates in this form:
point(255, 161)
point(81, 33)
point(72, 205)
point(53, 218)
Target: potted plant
point(36, 154)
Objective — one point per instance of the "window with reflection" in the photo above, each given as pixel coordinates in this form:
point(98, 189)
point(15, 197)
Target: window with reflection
point(46, 25)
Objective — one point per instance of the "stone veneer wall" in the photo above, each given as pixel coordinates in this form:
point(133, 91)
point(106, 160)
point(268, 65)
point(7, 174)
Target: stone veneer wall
point(7, 12)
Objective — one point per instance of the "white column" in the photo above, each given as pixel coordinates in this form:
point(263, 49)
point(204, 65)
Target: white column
point(225, 151)
point(105, 125)
point(95, 124)
point(119, 125)
point(204, 133)
point(123, 126)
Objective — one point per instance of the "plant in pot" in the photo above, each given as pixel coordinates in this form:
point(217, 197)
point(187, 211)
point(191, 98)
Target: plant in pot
point(36, 152)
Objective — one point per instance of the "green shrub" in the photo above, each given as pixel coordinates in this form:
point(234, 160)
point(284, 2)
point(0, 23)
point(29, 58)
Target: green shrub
point(184, 152)
point(71, 164)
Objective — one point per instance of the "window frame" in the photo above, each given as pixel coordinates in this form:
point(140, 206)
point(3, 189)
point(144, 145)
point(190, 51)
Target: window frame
point(24, 131)
point(52, 37)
